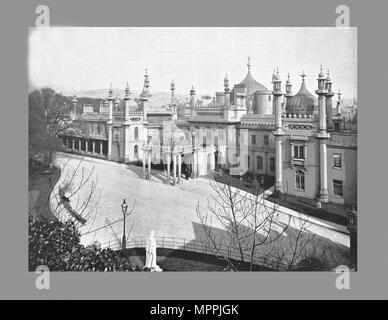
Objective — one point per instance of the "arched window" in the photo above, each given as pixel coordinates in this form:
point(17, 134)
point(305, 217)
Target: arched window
point(204, 141)
point(215, 141)
point(259, 163)
point(272, 164)
point(136, 133)
point(136, 152)
point(299, 180)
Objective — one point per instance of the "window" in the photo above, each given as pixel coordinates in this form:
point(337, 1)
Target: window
point(337, 127)
point(248, 161)
point(99, 128)
point(266, 140)
point(116, 137)
point(253, 139)
point(337, 161)
point(204, 141)
point(299, 180)
point(272, 164)
point(298, 152)
point(136, 133)
point(338, 188)
point(259, 163)
point(215, 141)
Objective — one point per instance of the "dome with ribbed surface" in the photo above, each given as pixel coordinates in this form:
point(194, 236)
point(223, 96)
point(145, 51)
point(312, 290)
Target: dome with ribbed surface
point(251, 84)
point(303, 103)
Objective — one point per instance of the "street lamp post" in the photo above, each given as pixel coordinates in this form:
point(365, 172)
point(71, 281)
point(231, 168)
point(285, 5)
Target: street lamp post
point(124, 208)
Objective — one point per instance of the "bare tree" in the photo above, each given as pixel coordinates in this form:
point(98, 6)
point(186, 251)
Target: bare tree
point(245, 230)
point(247, 224)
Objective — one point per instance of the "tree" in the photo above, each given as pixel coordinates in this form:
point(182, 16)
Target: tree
point(48, 118)
point(245, 230)
point(250, 224)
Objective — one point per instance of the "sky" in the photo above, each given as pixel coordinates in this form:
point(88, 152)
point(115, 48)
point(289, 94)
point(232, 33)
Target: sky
point(72, 59)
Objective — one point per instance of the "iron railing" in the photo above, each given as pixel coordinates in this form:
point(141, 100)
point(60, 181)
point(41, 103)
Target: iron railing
point(190, 245)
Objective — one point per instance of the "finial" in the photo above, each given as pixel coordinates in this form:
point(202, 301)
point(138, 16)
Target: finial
point(110, 90)
point(303, 75)
point(288, 79)
point(146, 70)
point(321, 74)
point(249, 63)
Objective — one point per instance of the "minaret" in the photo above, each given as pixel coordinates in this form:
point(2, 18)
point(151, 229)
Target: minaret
point(110, 122)
point(192, 101)
point(127, 98)
point(227, 91)
point(273, 100)
point(329, 104)
point(288, 88)
point(338, 109)
point(126, 124)
point(322, 136)
point(277, 94)
point(145, 94)
point(172, 93)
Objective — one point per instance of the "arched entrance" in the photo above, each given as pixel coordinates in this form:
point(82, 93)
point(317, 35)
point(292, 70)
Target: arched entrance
point(116, 149)
point(209, 163)
point(216, 159)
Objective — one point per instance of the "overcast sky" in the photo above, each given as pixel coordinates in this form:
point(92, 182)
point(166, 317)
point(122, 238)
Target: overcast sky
point(72, 59)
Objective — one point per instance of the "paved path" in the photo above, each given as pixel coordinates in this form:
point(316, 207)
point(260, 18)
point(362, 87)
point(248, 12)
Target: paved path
point(169, 211)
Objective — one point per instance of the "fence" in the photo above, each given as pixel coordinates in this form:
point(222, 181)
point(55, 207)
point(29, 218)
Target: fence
point(187, 245)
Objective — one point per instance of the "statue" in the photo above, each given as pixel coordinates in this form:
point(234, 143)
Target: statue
point(151, 254)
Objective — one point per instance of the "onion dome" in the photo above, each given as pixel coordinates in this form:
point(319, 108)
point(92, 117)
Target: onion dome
point(110, 93)
point(251, 84)
point(328, 79)
point(303, 103)
point(321, 75)
point(288, 79)
point(192, 91)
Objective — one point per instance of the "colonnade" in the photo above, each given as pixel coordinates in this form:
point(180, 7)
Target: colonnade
point(85, 145)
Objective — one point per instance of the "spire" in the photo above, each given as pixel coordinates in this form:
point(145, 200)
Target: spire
point(288, 86)
point(249, 64)
point(328, 82)
point(172, 93)
point(110, 91)
point(328, 75)
point(145, 93)
point(321, 74)
point(127, 92)
point(288, 79)
point(192, 91)
point(274, 75)
point(226, 84)
point(303, 75)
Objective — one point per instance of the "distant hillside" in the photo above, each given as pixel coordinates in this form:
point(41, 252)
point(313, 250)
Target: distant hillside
point(157, 98)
